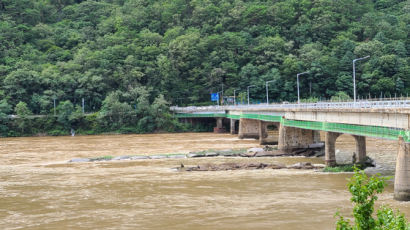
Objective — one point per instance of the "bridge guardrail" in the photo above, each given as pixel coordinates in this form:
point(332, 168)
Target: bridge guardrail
point(391, 104)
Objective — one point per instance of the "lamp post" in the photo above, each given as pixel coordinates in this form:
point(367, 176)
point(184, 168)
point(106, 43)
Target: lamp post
point(297, 80)
point(354, 77)
point(54, 102)
point(267, 92)
point(248, 92)
point(234, 96)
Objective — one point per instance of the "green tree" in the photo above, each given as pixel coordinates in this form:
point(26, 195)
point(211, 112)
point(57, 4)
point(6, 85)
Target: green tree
point(340, 96)
point(65, 109)
point(23, 121)
point(364, 192)
point(5, 109)
point(115, 114)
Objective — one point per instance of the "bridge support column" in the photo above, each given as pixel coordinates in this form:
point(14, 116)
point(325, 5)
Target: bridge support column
point(263, 132)
point(233, 128)
point(402, 176)
point(360, 148)
point(219, 126)
point(330, 141)
point(316, 136)
point(293, 138)
point(248, 128)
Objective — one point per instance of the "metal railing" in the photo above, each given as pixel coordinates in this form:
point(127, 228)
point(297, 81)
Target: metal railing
point(364, 104)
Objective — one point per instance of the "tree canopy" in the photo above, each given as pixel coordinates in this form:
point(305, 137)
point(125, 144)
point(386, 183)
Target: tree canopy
point(180, 51)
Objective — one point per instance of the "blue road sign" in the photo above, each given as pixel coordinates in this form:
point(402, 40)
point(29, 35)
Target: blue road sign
point(214, 96)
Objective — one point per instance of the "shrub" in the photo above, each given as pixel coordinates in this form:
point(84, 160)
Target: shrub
point(364, 190)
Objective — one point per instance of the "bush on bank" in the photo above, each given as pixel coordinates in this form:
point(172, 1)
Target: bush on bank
point(364, 192)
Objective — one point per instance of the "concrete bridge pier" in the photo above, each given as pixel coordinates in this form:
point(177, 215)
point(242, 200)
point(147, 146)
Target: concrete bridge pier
point(402, 175)
point(233, 126)
point(248, 128)
point(263, 132)
point(360, 148)
point(219, 125)
point(292, 138)
point(316, 136)
point(330, 143)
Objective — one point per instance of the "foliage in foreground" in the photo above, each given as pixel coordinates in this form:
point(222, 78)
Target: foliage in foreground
point(364, 192)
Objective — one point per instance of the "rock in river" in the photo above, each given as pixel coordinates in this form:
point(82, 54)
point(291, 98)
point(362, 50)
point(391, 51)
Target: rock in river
point(177, 156)
point(255, 150)
point(139, 157)
point(158, 157)
point(193, 155)
point(121, 158)
point(80, 160)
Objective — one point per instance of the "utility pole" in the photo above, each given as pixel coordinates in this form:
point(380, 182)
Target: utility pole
point(297, 79)
point(267, 92)
point(83, 104)
point(248, 92)
point(354, 77)
point(54, 102)
point(234, 97)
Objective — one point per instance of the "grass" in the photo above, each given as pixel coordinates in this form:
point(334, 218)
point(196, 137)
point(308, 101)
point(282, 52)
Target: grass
point(344, 168)
point(104, 158)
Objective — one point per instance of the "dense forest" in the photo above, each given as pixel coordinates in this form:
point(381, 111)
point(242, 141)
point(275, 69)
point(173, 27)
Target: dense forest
point(137, 57)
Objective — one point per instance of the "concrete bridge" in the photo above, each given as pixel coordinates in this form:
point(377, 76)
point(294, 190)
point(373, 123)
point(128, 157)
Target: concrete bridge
point(299, 126)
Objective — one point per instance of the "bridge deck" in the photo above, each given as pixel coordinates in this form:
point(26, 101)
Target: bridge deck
point(280, 113)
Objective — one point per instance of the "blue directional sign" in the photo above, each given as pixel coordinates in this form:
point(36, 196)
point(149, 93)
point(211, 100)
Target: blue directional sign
point(214, 96)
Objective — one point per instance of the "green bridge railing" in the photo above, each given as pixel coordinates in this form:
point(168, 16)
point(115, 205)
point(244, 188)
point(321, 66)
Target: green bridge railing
point(362, 130)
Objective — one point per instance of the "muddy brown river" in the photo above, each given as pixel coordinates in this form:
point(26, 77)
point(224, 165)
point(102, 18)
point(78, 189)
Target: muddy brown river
point(39, 189)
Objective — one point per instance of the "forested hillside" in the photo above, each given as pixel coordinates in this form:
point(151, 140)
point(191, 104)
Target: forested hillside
point(126, 54)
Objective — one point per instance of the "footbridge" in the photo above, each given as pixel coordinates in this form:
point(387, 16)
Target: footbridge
point(299, 126)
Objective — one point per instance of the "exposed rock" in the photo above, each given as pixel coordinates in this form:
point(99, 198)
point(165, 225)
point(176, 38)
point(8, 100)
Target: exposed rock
point(177, 156)
point(268, 148)
point(319, 153)
point(76, 160)
point(139, 157)
point(193, 155)
point(369, 162)
point(211, 154)
point(230, 154)
point(231, 166)
point(317, 145)
point(255, 150)
point(264, 154)
point(158, 157)
point(301, 165)
point(121, 158)
point(319, 166)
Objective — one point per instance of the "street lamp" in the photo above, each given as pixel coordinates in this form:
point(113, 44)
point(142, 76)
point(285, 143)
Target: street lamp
point(234, 97)
point(267, 92)
point(248, 92)
point(297, 77)
point(354, 77)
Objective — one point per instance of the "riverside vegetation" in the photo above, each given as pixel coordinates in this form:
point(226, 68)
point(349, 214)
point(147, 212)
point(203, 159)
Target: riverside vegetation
point(130, 59)
point(364, 192)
